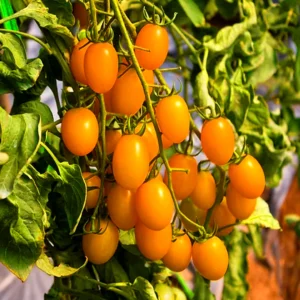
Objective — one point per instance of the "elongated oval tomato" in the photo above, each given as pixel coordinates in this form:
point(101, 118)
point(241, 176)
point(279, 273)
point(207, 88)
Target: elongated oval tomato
point(241, 207)
point(92, 196)
point(77, 60)
point(194, 213)
point(153, 244)
point(166, 142)
point(128, 94)
point(121, 207)
point(247, 177)
point(217, 140)
point(179, 255)
point(204, 193)
point(99, 248)
point(130, 161)
point(221, 217)
point(101, 67)
point(112, 138)
point(183, 182)
point(149, 37)
point(154, 204)
point(210, 258)
point(79, 131)
point(173, 118)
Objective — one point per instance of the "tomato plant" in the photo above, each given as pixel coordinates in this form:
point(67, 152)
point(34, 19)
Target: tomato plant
point(79, 131)
point(148, 38)
point(164, 292)
point(210, 258)
point(122, 98)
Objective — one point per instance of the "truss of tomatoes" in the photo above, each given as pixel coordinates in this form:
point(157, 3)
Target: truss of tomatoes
point(147, 205)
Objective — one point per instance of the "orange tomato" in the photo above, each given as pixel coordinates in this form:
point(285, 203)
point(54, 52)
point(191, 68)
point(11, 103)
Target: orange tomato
point(121, 207)
point(183, 182)
point(130, 161)
point(92, 195)
point(179, 255)
point(153, 244)
point(154, 204)
point(112, 138)
point(99, 248)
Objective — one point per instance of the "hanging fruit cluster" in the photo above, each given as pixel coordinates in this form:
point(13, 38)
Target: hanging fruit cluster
point(177, 214)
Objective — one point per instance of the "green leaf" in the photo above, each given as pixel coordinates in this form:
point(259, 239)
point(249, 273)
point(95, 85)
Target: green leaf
point(37, 108)
point(12, 80)
point(193, 12)
point(296, 38)
point(20, 139)
point(257, 241)
point(238, 105)
point(62, 270)
point(262, 216)
point(127, 240)
point(37, 11)
point(72, 188)
point(235, 283)
point(144, 289)
point(202, 95)
point(13, 45)
point(202, 289)
point(228, 35)
point(227, 8)
point(266, 69)
point(63, 10)
point(22, 232)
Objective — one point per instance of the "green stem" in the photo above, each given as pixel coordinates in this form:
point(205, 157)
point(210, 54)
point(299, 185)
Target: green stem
point(50, 125)
point(78, 293)
point(129, 25)
point(219, 197)
point(101, 202)
point(50, 153)
point(229, 225)
point(188, 292)
point(93, 13)
point(29, 36)
point(150, 109)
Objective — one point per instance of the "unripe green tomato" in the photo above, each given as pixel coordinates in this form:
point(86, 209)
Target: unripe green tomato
point(178, 294)
point(164, 292)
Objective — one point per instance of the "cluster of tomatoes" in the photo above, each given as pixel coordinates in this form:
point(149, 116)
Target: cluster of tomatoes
point(142, 199)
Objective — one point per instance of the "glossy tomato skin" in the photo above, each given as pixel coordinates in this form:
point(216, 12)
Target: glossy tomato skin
point(183, 183)
point(77, 60)
point(153, 244)
point(173, 118)
point(81, 14)
point(101, 67)
point(79, 131)
point(210, 258)
point(166, 142)
point(193, 213)
point(204, 193)
point(99, 248)
point(164, 292)
point(112, 138)
point(121, 207)
point(247, 177)
point(128, 94)
point(179, 255)
point(154, 204)
point(92, 195)
point(217, 140)
point(221, 217)
point(149, 37)
point(241, 207)
point(130, 161)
